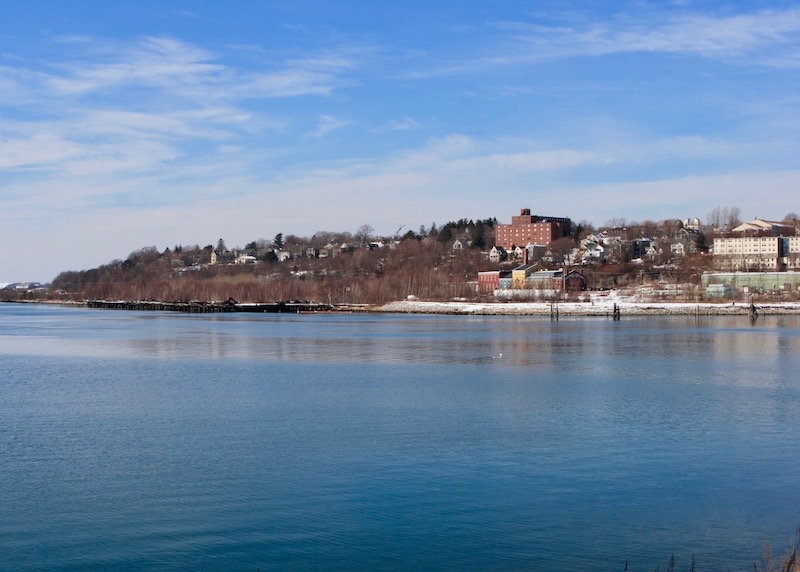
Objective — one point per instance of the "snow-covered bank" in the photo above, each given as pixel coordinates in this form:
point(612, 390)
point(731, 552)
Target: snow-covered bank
point(598, 308)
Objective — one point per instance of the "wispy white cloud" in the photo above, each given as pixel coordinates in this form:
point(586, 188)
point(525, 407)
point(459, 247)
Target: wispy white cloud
point(98, 141)
point(328, 123)
point(404, 124)
point(124, 109)
point(469, 156)
point(725, 37)
point(766, 37)
point(41, 150)
point(181, 69)
point(152, 62)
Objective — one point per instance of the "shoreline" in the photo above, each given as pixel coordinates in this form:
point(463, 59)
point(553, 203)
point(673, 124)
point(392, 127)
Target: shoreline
point(604, 308)
point(590, 309)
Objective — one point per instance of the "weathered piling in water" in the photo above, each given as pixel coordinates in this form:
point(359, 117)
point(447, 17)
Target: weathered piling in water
point(753, 312)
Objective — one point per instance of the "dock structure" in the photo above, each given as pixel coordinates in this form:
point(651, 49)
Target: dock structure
point(228, 306)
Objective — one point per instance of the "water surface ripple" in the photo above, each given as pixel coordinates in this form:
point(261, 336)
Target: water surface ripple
point(156, 441)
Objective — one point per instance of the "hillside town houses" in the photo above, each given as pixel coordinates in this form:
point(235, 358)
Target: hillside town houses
point(531, 264)
point(533, 255)
point(756, 246)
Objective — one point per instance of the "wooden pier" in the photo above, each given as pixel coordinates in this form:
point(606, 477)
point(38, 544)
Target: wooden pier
point(229, 306)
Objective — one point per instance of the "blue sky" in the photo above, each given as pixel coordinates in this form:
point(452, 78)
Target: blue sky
point(155, 123)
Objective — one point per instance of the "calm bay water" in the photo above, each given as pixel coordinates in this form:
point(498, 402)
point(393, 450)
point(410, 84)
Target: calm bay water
point(156, 441)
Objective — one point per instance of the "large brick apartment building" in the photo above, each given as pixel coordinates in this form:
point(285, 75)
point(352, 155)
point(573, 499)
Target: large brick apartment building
point(531, 229)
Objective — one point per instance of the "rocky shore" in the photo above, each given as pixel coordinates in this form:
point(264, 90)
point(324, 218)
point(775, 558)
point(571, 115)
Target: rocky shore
point(600, 308)
point(603, 308)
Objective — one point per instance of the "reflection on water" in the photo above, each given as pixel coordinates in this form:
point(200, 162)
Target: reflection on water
point(532, 342)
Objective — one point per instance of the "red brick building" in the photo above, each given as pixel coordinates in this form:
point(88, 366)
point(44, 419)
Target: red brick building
point(489, 281)
point(531, 229)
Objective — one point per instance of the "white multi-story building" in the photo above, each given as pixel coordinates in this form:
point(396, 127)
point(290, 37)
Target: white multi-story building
point(792, 252)
point(749, 253)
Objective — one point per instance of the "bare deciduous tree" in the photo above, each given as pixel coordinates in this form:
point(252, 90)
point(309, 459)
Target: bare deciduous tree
point(560, 248)
point(724, 217)
point(364, 233)
point(733, 217)
point(616, 222)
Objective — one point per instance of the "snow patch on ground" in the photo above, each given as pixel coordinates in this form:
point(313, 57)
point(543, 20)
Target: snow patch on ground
point(604, 307)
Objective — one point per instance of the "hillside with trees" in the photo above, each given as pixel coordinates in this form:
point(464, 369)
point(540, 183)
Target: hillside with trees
point(434, 263)
point(329, 267)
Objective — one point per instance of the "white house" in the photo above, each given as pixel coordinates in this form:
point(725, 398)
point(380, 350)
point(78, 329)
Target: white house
point(459, 244)
point(593, 253)
point(497, 254)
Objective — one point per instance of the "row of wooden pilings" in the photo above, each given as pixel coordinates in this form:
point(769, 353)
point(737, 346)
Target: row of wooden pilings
point(615, 313)
point(227, 306)
point(188, 307)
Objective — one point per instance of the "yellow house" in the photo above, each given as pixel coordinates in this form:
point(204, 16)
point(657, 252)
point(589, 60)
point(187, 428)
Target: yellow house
point(519, 274)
